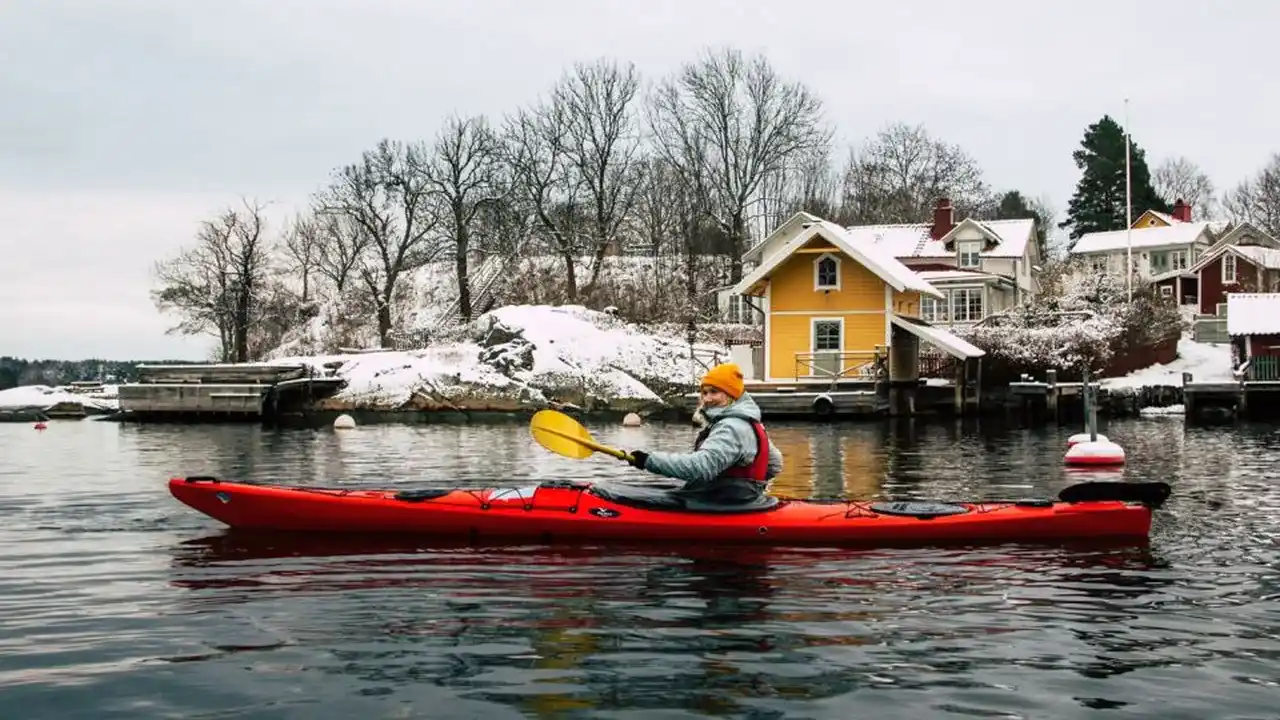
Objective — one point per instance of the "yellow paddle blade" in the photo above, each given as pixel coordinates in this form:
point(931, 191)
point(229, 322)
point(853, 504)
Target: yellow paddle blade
point(563, 435)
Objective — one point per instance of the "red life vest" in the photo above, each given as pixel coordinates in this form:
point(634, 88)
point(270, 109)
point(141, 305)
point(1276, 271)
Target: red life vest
point(758, 470)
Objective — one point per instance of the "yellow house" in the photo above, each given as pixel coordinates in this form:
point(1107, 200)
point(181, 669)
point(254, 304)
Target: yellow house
point(1181, 213)
point(840, 310)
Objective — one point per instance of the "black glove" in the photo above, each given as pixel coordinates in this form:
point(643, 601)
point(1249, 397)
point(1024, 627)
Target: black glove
point(638, 458)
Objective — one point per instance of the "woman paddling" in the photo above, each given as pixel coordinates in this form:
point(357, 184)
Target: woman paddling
point(727, 464)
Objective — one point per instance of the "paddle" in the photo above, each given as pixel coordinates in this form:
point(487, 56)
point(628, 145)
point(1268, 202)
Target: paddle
point(1151, 494)
point(563, 435)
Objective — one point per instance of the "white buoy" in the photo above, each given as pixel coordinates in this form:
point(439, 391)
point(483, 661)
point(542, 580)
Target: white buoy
point(344, 422)
point(631, 420)
point(1095, 453)
point(1084, 437)
point(1091, 448)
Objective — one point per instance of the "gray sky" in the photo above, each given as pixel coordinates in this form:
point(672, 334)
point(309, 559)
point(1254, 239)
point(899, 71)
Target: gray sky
point(123, 124)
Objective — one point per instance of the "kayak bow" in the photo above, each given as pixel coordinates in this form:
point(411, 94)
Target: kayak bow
point(574, 510)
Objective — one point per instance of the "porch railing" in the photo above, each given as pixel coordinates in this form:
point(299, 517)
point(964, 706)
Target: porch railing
point(1263, 368)
point(836, 366)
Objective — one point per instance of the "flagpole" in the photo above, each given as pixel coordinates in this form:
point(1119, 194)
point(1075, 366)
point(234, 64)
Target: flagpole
point(1128, 205)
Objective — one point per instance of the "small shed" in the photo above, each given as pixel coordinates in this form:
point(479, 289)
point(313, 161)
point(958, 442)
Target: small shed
point(1253, 324)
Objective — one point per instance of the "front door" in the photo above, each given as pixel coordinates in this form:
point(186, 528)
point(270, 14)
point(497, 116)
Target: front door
point(827, 343)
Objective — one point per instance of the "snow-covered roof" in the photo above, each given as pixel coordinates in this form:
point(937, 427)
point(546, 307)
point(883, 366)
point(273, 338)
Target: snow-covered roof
point(1239, 232)
point(950, 343)
point(1253, 313)
point(935, 276)
point(885, 266)
point(905, 240)
point(1180, 233)
point(1263, 257)
point(790, 223)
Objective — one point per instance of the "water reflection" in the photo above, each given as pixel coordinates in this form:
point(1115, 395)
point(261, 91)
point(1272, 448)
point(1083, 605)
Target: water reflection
point(703, 628)
point(117, 598)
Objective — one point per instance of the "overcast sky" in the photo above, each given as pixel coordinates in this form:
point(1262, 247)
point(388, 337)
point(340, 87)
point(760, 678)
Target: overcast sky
point(123, 124)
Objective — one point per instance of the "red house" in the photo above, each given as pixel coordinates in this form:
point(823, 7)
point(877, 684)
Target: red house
point(1244, 260)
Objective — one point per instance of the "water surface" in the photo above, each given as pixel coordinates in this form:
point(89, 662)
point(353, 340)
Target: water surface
point(116, 601)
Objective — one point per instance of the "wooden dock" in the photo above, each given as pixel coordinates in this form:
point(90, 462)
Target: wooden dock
point(853, 399)
point(248, 391)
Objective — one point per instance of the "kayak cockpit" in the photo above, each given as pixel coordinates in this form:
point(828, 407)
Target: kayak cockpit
point(652, 498)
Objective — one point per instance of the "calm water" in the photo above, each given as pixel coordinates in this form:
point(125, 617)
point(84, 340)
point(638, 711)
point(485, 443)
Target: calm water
point(116, 601)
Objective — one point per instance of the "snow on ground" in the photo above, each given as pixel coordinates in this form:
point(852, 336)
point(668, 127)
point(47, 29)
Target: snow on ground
point(44, 397)
point(1207, 362)
point(573, 350)
point(1178, 409)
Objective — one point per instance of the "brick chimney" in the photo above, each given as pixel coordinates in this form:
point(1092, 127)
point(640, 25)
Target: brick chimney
point(943, 219)
point(1181, 211)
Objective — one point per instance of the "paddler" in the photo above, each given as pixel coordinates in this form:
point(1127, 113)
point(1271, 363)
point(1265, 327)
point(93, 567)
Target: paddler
point(732, 459)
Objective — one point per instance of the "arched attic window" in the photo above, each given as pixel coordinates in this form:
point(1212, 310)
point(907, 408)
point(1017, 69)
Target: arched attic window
point(826, 272)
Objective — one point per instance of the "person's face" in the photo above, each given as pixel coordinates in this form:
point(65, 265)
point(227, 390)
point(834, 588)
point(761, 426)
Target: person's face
point(714, 397)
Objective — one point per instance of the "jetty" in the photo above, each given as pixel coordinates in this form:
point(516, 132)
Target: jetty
point(240, 391)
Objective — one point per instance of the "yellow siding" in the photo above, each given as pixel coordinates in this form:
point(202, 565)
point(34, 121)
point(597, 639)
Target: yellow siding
point(792, 288)
point(906, 303)
point(792, 334)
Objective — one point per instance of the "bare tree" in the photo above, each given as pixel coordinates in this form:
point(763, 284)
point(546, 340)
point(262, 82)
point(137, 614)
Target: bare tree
point(1256, 200)
point(601, 142)
point(750, 122)
point(386, 196)
point(1179, 178)
point(544, 178)
point(463, 176)
point(899, 174)
point(300, 247)
point(342, 243)
point(217, 286)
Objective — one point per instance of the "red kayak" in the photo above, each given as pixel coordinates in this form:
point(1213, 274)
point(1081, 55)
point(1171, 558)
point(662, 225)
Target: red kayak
point(573, 510)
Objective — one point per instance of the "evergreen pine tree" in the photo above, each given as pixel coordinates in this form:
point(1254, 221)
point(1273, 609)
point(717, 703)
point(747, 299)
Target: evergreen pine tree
point(1098, 202)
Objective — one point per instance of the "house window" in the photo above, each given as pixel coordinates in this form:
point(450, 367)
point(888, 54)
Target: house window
point(1228, 268)
point(1179, 260)
point(826, 273)
point(826, 335)
point(741, 311)
point(1159, 262)
point(1166, 291)
point(933, 310)
point(969, 252)
point(966, 304)
point(1098, 263)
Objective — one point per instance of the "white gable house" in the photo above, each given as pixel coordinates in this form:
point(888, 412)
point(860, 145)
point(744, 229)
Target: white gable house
point(1161, 254)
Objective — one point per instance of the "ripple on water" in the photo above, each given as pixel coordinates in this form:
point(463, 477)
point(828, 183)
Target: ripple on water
point(117, 602)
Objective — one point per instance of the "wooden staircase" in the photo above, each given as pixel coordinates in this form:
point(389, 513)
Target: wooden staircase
point(486, 284)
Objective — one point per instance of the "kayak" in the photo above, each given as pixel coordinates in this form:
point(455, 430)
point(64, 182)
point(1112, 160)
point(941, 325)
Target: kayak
point(580, 510)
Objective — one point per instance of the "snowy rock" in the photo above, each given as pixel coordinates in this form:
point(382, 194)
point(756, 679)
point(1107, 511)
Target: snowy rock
point(524, 357)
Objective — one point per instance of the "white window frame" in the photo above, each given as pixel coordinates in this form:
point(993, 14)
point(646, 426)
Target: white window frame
point(942, 309)
point(1166, 291)
point(953, 300)
point(813, 333)
point(1179, 259)
point(817, 263)
point(1229, 277)
point(1166, 266)
point(1100, 263)
point(969, 248)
